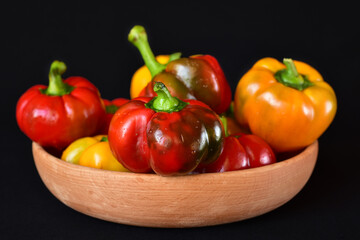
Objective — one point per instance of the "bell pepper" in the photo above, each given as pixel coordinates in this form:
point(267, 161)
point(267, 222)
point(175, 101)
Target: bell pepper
point(56, 115)
point(164, 134)
point(92, 152)
point(198, 77)
point(287, 104)
point(142, 77)
point(240, 151)
point(111, 107)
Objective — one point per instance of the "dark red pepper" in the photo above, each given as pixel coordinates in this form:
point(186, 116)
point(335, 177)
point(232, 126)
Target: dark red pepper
point(164, 134)
point(198, 77)
point(111, 107)
point(56, 115)
point(241, 151)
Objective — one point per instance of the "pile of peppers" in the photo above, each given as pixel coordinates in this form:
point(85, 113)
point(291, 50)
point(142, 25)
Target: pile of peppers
point(181, 118)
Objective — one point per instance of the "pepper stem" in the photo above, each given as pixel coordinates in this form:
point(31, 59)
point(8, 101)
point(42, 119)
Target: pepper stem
point(138, 38)
point(104, 139)
point(57, 87)
point(225, 124)
point(290, 76)
point(164, 102)
point(111, 108)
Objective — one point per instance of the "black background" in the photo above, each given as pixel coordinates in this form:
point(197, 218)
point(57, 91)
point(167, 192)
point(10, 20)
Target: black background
point(91, 38)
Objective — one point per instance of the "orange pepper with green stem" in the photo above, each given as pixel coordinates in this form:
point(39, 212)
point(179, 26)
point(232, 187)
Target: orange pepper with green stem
point(287, 104)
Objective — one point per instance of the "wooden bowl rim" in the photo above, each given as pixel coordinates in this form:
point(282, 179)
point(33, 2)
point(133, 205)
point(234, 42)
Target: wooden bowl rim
point(231, 189)
point(306, 151)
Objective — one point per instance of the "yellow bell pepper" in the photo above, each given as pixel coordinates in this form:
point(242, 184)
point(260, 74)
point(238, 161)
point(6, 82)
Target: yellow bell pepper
point(287, 104)
point(92, 152)
point(142, 77)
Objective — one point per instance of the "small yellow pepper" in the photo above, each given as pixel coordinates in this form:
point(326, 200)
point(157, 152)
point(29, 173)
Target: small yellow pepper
point(92, 152)
point(287, 104)
point(142, 77)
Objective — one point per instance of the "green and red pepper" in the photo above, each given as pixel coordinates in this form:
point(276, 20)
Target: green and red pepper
point(165, 134)
point(198, 77)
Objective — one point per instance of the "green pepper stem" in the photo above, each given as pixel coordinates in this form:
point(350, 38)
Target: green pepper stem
point(104, 139)
point(111, 108)
point(57, 87)
point(290, 76)
point(138, 38)
point(174, 56)
point(164, 102)
point(225, 124)
point(290, 67)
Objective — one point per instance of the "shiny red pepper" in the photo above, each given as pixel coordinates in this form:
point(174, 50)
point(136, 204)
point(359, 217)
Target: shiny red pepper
point(165, 134)
point(241, 151)
point(111, 107)
point(56, 115)
point(198, 77)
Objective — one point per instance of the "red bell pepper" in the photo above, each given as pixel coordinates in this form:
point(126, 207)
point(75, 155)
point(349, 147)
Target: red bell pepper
point(197, 77)
point(56, 115)
point(240, 151)
point(111, 107)
point(165, 134)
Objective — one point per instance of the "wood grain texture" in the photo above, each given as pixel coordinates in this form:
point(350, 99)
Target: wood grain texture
point(187, 201)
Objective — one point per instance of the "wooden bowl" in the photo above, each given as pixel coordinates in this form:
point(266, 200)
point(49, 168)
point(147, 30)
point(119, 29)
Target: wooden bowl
point(187, 201)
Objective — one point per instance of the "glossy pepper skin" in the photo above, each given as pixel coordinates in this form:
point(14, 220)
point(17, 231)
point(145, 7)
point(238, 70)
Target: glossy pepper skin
point(164, 134)
point(198, 77)
point(111, 106)
point(286, 104)
point(142, 77)
point(92, 152)
point(56, 115)
point(240, 151)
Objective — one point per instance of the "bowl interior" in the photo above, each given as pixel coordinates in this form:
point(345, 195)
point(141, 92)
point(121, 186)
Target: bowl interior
point(185, 201)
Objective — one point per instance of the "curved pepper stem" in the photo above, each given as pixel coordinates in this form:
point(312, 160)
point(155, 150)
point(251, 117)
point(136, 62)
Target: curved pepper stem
point(57, 87)
point(164, 102)
point(290, 76)
point(138, 38)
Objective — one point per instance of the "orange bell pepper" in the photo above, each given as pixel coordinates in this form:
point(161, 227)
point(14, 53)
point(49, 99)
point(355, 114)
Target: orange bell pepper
point(142, 77)
point(288, 105)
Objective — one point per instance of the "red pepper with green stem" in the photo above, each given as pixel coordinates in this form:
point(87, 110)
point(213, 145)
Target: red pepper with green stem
point(56, 115)
point(240, 151)
point(165, 134)
point(198, 77)
point(111, 107)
